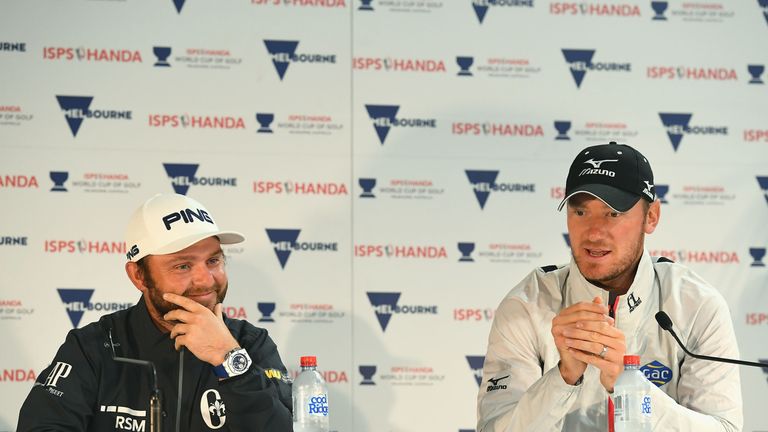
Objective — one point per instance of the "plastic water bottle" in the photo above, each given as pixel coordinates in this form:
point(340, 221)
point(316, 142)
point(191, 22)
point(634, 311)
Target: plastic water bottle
point(632, 398)
point(310, 399)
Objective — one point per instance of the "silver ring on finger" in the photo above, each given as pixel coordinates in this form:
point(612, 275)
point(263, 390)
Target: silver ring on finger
point(603, 352)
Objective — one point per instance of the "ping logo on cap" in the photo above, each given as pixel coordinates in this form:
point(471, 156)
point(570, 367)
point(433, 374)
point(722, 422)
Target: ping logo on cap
point(187, 215)
point(132, 252)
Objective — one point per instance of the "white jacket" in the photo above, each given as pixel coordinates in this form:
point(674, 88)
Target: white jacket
point(522, 389)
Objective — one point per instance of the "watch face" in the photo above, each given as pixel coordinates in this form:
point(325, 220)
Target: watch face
point(239, 362)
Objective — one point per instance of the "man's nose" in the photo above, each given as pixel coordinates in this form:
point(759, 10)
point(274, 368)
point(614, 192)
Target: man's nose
point(595, 229)
point(202, 276)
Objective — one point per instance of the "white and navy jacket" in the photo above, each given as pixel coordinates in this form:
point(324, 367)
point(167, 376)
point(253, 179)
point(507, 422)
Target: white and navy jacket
point(85, 389)
point(522, 389)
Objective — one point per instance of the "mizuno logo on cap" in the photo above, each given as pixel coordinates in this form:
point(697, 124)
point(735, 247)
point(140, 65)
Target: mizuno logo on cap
point(597, 164)
point(648, 187)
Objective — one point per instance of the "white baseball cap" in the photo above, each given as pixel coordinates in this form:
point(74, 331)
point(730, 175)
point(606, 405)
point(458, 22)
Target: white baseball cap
point(168, 223)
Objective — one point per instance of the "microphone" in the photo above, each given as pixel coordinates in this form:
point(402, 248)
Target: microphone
point(181, 378)
point(155, 399)
point(666, 323)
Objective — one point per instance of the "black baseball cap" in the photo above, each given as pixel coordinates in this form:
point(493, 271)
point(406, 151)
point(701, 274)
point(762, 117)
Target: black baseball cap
point(617, 174)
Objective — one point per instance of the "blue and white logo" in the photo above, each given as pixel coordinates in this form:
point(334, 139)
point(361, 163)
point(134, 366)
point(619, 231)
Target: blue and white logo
point(183, 176)
point(162, 53)
point(385, 304)
point(758, 253)
point(77, 108)
point(481, 6)
point(657, 373)
point(367, 371)
point(562, 127)
point(367, 184)
point(466, 249)
point(764, 7)
point(659, 7)
point(365, 5)
point(77, 301)
point(476, 364)
point(756, 72)
point(580, 62)
point(465, 62)
point(265, 119)
point(384, 117)
point(661, 193)
point(59, 178)
point(284, 242)
point(763, 182)
point(283, 53)
point(678, 124)
point(484, 182)
point(266, 309)
point(179, 4)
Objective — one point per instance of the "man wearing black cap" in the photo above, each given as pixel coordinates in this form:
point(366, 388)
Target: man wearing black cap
point(558, 339)
point(214, 372)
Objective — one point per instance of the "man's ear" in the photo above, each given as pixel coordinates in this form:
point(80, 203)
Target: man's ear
point(135, 274)
point(652, 218)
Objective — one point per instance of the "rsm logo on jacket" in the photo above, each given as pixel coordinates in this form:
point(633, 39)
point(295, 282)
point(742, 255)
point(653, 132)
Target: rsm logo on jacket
point(125, 418)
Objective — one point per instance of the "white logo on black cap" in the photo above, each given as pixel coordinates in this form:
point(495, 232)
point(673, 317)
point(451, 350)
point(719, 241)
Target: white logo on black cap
point(648, 187)
point(596, 170)
point(597, 164)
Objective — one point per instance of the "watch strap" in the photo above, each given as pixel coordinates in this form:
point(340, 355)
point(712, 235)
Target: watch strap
point(220, 371)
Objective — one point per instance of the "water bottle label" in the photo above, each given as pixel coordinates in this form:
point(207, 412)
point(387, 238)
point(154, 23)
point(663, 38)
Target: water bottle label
point(318, 405)
point(646, 406)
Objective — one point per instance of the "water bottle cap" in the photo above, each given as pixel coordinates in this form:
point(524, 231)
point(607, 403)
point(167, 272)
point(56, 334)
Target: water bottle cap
point(631, 360)
point(308, 361)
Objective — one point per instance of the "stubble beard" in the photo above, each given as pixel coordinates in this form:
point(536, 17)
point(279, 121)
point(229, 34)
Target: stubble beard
point(163, 307)
point(605, 278)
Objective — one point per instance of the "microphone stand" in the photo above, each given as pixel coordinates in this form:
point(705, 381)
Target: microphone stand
point(666, 323)
point(181, 377)
point(155, 398)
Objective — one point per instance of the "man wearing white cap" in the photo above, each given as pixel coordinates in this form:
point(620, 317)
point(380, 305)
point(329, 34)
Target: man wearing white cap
point(558, 339)
point(232, 377)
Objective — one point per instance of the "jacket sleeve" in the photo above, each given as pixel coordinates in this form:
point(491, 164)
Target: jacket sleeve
point(709, 392)
point(63, 397)
point(526, 397)
point(259, 400)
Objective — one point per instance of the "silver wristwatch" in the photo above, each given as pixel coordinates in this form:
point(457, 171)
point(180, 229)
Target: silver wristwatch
point(236, 362)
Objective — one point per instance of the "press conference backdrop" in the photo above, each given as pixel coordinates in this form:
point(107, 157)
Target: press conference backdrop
point(394, 165)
